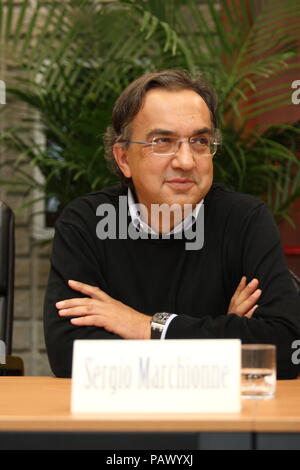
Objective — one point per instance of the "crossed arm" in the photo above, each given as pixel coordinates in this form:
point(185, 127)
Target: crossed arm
point(100, 310)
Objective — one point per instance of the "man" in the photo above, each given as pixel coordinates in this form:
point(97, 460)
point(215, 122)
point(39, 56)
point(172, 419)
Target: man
point(150, 282)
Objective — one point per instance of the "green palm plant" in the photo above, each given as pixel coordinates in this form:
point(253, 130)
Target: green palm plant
point(76, 57)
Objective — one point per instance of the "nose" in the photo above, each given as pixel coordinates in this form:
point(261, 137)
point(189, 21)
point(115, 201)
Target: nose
point(184, 157)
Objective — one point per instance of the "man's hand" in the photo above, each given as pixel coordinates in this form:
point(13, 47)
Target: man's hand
point(99, 309)
point(243, 301)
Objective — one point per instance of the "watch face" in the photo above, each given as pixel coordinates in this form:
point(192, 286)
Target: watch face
point(160, 316)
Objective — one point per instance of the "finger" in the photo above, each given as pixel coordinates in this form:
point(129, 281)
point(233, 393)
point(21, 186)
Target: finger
point(250, 313)
point(248, 290)
point(241, 294)
point(86, 289)
point(248, 304)
point(69, 303)
point(241, 285)
point(90, 320)
point(239, 288)
point(78, 311)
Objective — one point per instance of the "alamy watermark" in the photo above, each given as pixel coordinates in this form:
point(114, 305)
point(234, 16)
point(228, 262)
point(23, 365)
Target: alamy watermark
point(296, 93)
point(2, 92)
point(114, 224)
point(296, 354)
point(2, 352)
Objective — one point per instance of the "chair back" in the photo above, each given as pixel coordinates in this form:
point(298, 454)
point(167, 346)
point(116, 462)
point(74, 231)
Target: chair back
point(7, 268)
point(296, 281)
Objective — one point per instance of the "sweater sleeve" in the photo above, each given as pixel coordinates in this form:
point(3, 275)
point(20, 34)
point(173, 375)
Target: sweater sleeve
point(253, 249)
point(76, 256)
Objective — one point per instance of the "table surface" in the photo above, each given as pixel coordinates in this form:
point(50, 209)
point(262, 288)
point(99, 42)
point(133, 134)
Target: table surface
point(43, 404)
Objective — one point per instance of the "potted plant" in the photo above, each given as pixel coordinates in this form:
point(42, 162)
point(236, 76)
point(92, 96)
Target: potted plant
point(76, 57)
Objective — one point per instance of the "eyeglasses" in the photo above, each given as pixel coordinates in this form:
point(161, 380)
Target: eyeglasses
point(202, 146)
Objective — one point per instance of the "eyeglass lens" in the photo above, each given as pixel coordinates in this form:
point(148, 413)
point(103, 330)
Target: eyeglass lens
point(168, 146)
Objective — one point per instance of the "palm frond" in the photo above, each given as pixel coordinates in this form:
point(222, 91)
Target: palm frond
point(76, 57)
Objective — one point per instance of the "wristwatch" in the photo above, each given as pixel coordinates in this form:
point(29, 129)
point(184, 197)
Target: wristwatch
point(158, 322)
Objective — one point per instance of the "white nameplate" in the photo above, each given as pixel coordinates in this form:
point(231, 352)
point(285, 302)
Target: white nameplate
point(144, 376)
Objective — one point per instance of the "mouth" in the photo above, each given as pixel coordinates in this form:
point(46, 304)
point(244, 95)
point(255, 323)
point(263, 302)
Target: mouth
point(180, 183)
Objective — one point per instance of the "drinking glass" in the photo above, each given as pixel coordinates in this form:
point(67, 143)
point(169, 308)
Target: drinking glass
point(258, 374)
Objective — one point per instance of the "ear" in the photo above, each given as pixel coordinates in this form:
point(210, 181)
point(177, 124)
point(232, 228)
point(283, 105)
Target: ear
point(121, 157)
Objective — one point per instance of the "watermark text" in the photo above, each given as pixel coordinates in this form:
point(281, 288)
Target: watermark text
point(114, 223)
point(2, 352)
point(296, 93)
point(2, 92)
point(296, 354)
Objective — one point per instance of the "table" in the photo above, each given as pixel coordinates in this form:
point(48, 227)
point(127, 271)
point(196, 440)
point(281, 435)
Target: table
point(35, 413)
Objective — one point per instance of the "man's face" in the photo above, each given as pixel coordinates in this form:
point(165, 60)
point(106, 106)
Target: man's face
point(182, 178)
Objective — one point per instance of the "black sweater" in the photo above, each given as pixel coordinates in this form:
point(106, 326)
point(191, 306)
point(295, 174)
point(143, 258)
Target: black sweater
point(240, 238)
